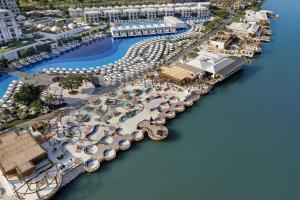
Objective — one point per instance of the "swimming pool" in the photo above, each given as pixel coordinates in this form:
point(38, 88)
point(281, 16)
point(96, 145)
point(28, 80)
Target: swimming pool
point(139, 23)
point(97, 53)
point(5, 80)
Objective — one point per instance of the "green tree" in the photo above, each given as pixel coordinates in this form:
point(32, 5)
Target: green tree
point(3, 62)
point(43, 47)
point(71, 82)
point(25, 53)
point(5, 113)
point(49, 99)
point(37, 105)
point(28, 93)
point(51, 6)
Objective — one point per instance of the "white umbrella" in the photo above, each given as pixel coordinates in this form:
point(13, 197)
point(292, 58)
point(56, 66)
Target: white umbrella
point(4, 105)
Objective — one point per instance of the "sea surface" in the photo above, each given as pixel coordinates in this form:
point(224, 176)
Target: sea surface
point(241, 142)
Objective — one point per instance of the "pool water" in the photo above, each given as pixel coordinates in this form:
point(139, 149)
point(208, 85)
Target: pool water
point(139, 23)
point(5, 80)
point(97, 53)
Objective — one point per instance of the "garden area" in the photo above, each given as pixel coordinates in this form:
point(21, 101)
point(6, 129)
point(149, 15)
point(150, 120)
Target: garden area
point(24, 105)
point(16, 44)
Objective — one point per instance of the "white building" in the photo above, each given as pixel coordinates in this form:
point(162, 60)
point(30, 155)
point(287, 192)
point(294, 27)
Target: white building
point(217, 65)
point(113, 14)
point(58, 34)
point(132, 13)
point(76, 12)
point(166, 11)
point(258, 17)
point(10, 5)
point(184, 10)
point(149, 13)
point(175, 22)
point(245, 29)
point(201, 11)
point(92, 16)
point(9, 29)
point(134, 31)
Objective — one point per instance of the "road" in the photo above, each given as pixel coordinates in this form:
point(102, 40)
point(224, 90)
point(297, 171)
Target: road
point(203, 39)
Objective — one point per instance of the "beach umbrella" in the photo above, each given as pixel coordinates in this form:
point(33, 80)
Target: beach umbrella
point(4, 105)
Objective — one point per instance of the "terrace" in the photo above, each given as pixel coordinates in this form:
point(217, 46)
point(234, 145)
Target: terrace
point(16, 44)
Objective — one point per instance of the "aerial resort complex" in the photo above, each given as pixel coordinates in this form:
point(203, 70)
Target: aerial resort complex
point(79, 86)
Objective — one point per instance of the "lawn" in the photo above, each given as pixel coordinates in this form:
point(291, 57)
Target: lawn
point(16, 44)
point(18, 121)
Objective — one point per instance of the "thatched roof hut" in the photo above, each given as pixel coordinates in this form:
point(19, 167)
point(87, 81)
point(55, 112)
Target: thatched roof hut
point(19, 154)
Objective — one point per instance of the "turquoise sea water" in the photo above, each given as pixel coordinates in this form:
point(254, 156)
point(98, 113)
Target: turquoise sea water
point(241, 142)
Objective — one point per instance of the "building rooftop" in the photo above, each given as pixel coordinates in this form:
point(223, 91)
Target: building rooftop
point(250, 27)
point(18, 153)
point(222, 37)
point(216, 64)
point(179, 72)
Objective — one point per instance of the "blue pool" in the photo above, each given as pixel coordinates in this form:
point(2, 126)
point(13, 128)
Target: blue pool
point(139, 23)
point(5, 80)
point(98, 53)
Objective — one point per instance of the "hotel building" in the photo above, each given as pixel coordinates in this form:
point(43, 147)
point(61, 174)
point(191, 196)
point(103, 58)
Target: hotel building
point(10, 5)
point(9, 29)
point(183, 10)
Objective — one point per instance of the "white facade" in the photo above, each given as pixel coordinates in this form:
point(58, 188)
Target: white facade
point(132, 13)
point(201, 11)
point(113, 14)
point(210, 62)
point(61, 35)
point(260, 16)
point(9, 29)
point(166, 11)
point(184, 10)
point(134, 31)
point(13, 54)
point(10, 5)
point(149, 13)
point(251, 28)
point(92, 16)
point(75, 12)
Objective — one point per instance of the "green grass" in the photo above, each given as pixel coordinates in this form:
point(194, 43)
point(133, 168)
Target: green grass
point(64, 5)
point(18, 121)
point(238, 16)
point(16, 44)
